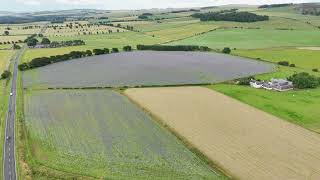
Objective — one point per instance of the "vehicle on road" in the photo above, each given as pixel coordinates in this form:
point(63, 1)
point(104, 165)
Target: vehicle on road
point(11, 94)
point(8, 138)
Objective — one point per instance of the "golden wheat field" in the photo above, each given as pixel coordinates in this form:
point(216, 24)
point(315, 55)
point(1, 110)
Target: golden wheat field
point(245, 142)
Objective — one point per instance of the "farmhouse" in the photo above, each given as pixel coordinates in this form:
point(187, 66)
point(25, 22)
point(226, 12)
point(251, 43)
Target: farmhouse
point(281, 84)
point(274, 84)
point(256, 84)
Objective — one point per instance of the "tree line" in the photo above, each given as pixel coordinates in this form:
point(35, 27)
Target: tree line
point(43, 61)
point(230, 16)
point(172, 48)
point(275, 5)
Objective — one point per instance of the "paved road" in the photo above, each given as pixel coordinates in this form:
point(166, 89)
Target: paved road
point(9, 170)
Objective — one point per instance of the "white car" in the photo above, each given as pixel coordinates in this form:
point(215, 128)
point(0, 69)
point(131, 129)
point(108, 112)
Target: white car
point(11, 94)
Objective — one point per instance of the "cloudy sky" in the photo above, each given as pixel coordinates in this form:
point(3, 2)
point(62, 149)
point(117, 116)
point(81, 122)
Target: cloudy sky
point(36, 5)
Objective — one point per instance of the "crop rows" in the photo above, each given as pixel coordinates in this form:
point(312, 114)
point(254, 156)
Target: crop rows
point(101, 133)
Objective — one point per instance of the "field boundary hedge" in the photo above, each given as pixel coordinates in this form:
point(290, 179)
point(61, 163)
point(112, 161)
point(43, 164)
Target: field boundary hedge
point(43, 61)
point(172, 48)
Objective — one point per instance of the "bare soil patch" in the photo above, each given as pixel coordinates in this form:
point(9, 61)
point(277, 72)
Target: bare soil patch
point(247, 143)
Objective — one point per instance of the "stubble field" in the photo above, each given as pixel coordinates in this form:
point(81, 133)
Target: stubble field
point(244, 141)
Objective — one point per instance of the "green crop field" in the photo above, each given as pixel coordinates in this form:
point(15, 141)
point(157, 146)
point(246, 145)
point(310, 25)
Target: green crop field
point(299, 107)
point(147, 26)
point(181, 32)
point(100, 133)
point(273, 24)
point(254, 38)
point(308, 59)
point(5, 56)
point(117, 40)
point(290, 13)
point(12, 38)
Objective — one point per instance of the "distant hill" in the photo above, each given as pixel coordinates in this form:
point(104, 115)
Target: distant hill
point(309, 8)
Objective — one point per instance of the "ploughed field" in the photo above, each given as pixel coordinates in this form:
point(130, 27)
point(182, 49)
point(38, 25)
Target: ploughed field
point(144, 68)
point(100, 133)
point(246, 142)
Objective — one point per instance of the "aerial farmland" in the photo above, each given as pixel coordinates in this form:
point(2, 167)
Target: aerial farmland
point(160, 93)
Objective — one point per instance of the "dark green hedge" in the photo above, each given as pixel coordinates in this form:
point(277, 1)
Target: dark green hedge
point(172, 48)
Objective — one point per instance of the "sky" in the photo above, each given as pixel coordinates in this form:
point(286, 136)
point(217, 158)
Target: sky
point(41, 5)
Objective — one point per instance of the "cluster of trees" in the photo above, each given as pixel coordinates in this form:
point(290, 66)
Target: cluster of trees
point(145, 15)
point(314, 12)
point(31, 40)
point(304, 80)
point(286, 63)
point(187, 10)
point(6, 33)
point(43, 61)
point(226, 50)
point(245, 81)
point(29, 18)
point(31, 27)
point(56, 44)
point(127, 48)
point(6, 74)
point(230, 16)
point(172, 48)
point(275, 5)
point(101, 51)
point(16, 46)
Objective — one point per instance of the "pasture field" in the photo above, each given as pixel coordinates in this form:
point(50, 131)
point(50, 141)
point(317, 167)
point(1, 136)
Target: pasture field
point(185, 31)
point(253, 38)
point(5, 56)
point(5, 46)
point(117, 40)
point(290, 13)
point(20, 29)
point(113, 40)
point(274, 23)
point(299, 107)
point(144, 68)
point(303, 58)
point(12, 38)
point(100, 133)
point(148, 26)
point(247, 143)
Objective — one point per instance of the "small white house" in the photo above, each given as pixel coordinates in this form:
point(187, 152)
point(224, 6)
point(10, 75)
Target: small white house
point(274, 84)
point(256, 84)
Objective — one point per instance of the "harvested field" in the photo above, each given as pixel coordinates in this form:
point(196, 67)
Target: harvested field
point(144, 68)
point(246, 142)
point(100, 133)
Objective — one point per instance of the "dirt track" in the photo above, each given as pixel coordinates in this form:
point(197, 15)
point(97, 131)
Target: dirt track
point(244, 141)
